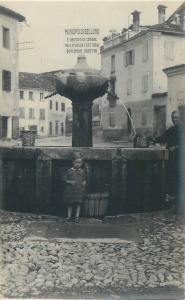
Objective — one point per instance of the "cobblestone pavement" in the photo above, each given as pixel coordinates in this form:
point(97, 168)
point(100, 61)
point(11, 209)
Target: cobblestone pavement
point(40, 266)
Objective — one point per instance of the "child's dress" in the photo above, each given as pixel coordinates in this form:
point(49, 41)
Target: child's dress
point(75, 193)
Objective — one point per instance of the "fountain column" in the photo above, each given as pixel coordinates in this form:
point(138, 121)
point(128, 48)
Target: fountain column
point(82, 124)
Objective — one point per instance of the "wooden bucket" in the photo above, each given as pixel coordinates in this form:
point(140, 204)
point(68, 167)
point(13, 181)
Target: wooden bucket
point(96, 204)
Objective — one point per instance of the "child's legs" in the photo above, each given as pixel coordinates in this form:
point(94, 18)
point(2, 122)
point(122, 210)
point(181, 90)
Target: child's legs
point(78, 207)
point(69, 211)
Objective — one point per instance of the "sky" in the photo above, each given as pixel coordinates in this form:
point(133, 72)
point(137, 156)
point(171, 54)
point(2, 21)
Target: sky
point(46, 23)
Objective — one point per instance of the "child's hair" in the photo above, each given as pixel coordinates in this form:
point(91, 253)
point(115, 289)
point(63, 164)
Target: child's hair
point(76, 155)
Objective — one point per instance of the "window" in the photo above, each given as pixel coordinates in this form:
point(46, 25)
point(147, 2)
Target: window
point(62, 128)
point(41, 96)
point(21, 95)
point(50, 128)
point(129, 58)
point(50, 104)
point(112, 121)
point(112, 62)
point(31, 113)
point(22, 112)
point(6, 81)
point(145, 52)
point(56, 105)
point(169, 50)
point(145, 83)
point(62, 106)
point(56, 128)
point(6, 38)
point(42, 114)
point(30, 95)
point(129, 86)
point(96, 109)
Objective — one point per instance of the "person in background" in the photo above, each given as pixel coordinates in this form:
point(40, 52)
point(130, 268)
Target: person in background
point(171, 138)
point(75, 180)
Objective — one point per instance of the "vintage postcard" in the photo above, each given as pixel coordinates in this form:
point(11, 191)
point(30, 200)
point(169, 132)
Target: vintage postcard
point(92, 139)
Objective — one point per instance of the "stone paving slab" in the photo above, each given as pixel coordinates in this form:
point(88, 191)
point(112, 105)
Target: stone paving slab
point(83, 231)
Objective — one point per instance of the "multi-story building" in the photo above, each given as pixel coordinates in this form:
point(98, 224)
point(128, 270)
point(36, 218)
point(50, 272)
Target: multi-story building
point(45, 116)
point(176, 89)
point(57, 114)
point(134, 61)
point(9, 103)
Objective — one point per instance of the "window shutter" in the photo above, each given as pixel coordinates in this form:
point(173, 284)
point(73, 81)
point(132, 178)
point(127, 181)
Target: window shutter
point(169, 50)
point(6, 80)
point(125, 59)
point(133, 57)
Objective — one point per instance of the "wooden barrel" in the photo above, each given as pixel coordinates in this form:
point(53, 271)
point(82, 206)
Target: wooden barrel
point(96, 204)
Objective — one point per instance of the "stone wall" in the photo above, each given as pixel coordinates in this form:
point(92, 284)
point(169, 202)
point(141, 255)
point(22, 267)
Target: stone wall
point(31, 178)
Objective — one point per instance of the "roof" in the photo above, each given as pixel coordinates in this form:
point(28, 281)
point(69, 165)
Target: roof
point(10, 13)
point(159, 95)
point(180, 9)
point(175, 70)
point(166, 28)
point(35, 81)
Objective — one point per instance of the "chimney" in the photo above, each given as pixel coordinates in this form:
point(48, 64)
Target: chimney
point(136, 20)
point(161, 13)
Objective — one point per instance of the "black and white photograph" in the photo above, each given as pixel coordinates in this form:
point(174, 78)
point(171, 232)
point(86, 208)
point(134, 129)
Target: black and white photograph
point(92, 150)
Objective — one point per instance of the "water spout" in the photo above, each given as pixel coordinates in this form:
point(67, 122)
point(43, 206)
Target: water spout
point(133, 127)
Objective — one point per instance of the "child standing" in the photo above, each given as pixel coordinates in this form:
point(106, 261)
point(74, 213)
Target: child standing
point(75, 180)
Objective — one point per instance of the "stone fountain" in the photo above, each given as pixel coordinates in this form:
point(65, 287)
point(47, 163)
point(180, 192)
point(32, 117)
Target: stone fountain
point(81, 85)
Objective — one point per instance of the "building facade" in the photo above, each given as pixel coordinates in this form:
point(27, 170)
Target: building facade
point(9, 102)
point(134, 61)
point(45, 116)
point(57, 115)
point(176, 89)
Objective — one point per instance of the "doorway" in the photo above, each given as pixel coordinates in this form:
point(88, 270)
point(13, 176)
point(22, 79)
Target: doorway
point(159, 119)
point(4, 127)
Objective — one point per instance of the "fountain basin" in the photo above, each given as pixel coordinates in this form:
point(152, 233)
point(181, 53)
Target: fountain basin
point(134, 178)
point(80, 85)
